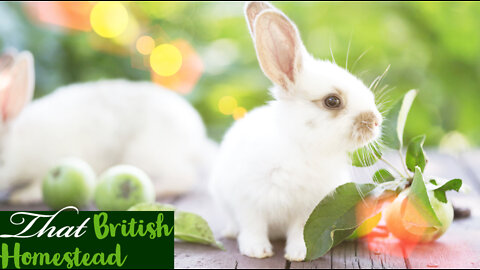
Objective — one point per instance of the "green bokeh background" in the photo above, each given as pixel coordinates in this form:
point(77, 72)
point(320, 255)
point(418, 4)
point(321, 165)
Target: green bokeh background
point(431, 46)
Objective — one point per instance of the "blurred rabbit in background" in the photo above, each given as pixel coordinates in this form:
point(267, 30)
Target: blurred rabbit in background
point(104, 123)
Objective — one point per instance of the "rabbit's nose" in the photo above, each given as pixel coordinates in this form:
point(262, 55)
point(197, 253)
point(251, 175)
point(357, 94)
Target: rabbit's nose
point(367, 119)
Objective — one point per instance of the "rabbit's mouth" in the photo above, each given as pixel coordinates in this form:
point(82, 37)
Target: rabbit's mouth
point(366, 128)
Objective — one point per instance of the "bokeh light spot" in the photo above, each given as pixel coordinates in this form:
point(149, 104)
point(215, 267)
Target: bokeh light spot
point(109, 19)
point(166, 60)
point(227, 105)
point(187, 76)
point(239, 112)
point(130, 34)
point(73, 15)
point(145, 45)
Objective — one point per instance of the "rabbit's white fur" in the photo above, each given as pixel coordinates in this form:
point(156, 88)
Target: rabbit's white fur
point(280, 160)
point(105, 123)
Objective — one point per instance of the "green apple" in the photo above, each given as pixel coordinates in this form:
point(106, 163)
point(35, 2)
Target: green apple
point(422, 233)
point(152, 207)
point(122, 187)
point(70, 183)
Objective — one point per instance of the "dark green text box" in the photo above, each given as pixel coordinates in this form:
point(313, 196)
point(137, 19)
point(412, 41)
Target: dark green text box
point(86, 239)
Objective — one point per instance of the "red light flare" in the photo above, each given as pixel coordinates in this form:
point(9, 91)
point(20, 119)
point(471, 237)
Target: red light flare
point(380, 240)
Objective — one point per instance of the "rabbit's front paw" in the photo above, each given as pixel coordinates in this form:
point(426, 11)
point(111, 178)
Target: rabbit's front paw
point(295, 251)
point(255, 248)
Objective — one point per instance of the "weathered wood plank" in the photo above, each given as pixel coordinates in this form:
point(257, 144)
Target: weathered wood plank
point(198, 256)
point(344, 256)
point(368, 253)
point(383, 252)
point(471, 161)
point(324, 262)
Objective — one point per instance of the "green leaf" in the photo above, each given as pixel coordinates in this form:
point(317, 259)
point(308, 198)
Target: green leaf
point(418, 211)
point(439, 193)
point(335, 218)
point(415, 154)
point(366, 156)
point(366, 227)
point(382, 176)
point(395, 119)
point(193, 228)
point(189, 227)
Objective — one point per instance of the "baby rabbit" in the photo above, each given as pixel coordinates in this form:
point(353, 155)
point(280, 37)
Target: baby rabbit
point(105, 123)
point(280, 160)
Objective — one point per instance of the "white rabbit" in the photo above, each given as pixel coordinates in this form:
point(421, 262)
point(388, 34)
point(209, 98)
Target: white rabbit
point(280, 160)
point(105, 123)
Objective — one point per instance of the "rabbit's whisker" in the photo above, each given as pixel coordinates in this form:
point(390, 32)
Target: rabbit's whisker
point(358, 59)
point(348, 50)
point(378, 79)
point(331, 53)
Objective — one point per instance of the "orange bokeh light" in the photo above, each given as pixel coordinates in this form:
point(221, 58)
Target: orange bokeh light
point(185, 79)
point(145, 45)
point(72, 15)
point(371, 206)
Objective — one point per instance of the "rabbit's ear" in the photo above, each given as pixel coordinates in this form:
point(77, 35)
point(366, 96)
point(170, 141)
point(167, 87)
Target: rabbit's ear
point(6, 61)
point(279, 48)
point(252, 9)
point(17, 85)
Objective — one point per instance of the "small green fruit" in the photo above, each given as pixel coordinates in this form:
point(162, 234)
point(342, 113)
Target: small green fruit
point(70, 183)
point(152, 207)
point(122, 187)
point(420, 234)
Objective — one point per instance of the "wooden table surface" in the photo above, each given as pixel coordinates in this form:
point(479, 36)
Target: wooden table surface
point(458, 248)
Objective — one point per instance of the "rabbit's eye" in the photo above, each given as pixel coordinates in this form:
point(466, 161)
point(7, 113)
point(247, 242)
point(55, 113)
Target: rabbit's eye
point(333, 102)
